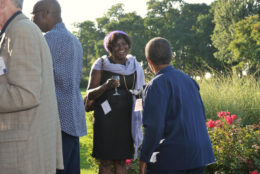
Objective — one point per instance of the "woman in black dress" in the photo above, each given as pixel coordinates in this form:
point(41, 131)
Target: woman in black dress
point(113, 142)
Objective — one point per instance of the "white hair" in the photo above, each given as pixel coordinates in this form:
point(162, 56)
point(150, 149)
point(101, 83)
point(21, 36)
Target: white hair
point(18, 3)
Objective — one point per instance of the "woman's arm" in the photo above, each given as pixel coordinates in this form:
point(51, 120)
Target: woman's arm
point(95, 89)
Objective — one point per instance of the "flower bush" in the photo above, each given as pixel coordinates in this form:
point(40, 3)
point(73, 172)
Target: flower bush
point(236, 149)
point(133, 168)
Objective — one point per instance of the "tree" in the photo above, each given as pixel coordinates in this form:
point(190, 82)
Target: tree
point(246, 44)
point(193, 45)
point(226, 14)
point(161, 18)
point(89, 37)
point(188, 28)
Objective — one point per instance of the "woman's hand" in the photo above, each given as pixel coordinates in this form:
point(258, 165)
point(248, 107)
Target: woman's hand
point(110, 83)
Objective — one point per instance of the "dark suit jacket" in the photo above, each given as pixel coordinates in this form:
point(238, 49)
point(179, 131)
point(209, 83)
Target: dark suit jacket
point(176, 136)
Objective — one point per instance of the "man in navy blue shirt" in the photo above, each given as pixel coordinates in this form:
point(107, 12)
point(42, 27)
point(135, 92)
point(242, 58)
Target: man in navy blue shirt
point(67, 56)
point(176, 140)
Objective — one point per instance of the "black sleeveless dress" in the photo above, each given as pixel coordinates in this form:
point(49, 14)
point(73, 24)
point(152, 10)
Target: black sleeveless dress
point(112, 132)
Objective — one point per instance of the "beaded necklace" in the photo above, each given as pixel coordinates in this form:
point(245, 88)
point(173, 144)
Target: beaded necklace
point(132, 85)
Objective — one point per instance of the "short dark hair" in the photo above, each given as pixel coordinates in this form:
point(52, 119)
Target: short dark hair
point(158, 50)
point(115, 37)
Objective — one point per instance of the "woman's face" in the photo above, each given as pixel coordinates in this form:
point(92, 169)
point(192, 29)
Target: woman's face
point(120, 49)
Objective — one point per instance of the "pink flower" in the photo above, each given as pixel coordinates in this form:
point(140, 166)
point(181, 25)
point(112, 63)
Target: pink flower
point(223, 113)
point(211, 124)
point(233, 117)
point(228, 119)
point(218, 123)
point(128, 162)
point(254, 172)
point(219, 115)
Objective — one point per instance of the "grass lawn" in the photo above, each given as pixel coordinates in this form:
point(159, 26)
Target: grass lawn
point(86, 171)
point(87, 164)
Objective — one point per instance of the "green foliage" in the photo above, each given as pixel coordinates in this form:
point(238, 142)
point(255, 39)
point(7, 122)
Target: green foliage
point(246, 46)
point(226, 14)
point(134, 167)
point(192, 45)
point(236, 149)
point(237, 95)
point(188, 28)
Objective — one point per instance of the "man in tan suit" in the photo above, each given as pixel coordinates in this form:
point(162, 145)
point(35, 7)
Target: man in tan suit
point(30, 139)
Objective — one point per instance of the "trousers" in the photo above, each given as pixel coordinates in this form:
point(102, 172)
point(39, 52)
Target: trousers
point(71, 155)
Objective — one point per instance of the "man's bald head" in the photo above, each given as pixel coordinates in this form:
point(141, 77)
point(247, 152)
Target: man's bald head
point(47, 13)
point(50, 6)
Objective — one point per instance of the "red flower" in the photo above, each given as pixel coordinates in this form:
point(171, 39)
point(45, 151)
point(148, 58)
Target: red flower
point(128, 162)
point(211, 124)
point(218, 123)
point(223, 113)
point(228, 119)
point(233, 117)
point(254, 172)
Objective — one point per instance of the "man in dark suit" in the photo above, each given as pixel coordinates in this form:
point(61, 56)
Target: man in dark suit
point(176, 140)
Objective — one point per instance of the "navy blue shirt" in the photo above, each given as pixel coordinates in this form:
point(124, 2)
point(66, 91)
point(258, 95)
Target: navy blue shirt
point(174, 122)
point(67, 55)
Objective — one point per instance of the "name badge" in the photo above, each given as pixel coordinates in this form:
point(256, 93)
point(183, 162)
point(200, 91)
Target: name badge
point(106, 107)
point(2, 66)
point(138, 105)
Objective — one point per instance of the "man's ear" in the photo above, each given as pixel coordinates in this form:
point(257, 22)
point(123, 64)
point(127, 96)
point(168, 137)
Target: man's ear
point(149, 60)
point(150, 64)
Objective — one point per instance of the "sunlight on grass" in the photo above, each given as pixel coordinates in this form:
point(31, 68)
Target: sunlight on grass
point(240, 96)
point(85, 171)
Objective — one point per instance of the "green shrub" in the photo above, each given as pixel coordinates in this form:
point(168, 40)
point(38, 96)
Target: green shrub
point(236, 149)
point(134, 167)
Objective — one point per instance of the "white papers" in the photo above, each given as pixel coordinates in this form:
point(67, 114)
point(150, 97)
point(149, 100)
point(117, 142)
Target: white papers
point(2, 66)
point(106, 107)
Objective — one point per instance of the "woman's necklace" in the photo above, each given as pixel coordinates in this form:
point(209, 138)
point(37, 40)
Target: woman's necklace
point(132, 85)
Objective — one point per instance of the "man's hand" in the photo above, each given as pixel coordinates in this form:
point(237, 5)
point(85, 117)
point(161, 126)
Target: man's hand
point(142, 167)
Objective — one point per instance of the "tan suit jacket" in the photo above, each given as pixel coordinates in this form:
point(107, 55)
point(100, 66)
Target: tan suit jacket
point(30, 135)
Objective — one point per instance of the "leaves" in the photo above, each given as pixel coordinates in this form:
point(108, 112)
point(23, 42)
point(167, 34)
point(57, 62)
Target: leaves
point(236, 148)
